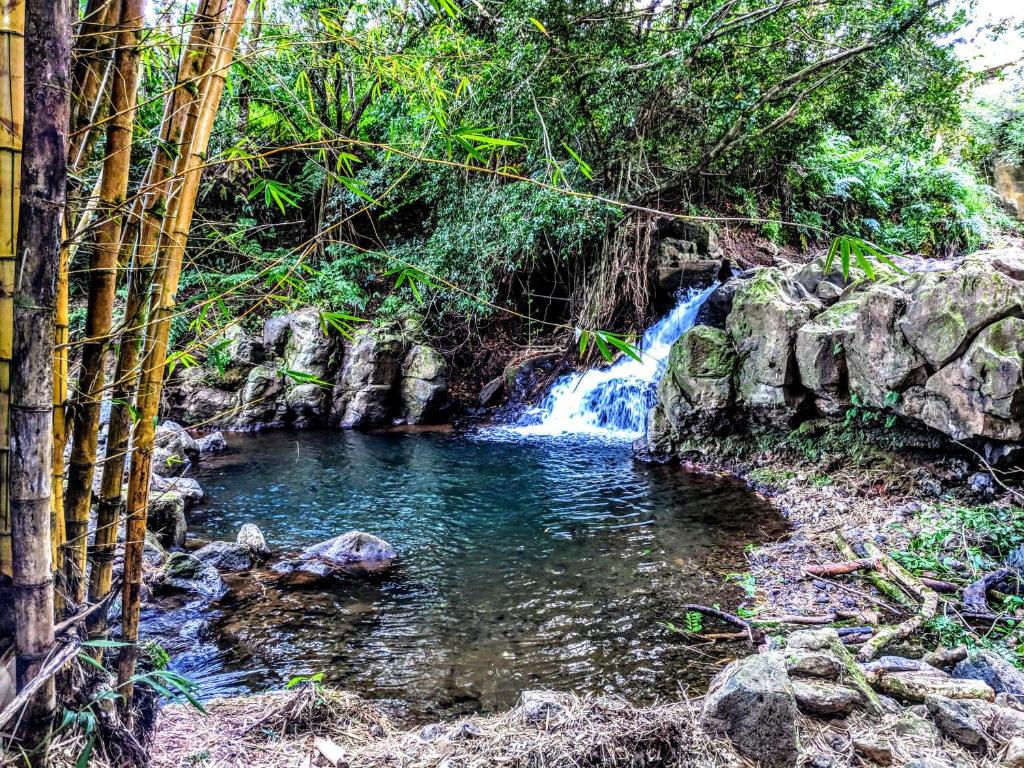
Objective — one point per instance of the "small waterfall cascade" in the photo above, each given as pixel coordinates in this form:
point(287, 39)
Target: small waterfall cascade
point(613, 402)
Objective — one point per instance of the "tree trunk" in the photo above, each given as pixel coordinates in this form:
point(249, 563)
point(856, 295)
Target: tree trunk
point(169, 259)
point(12, 91)
point(44, 179)
point(102, 287)
point(195, 63)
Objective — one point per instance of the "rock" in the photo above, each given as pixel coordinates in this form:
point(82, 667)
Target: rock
point(491, 392)
point(261, 404)
point(948, 309)
point(752, 701)
point(915, 727)
point(307, 403)
point(1014, 755)
point(252, 537)
point(825, 698)
point(926, 762)
point(212, 443)
point(173, 449)
point(684, 263)
point(166, 518)
point(309, 349)
point(993, 670)
point(873, 748)
point(821, 354)
point(879, 358)
point(225, 556)
point(275, 333)
point(239, 347)
point(817, 640)
point(153, 552)
point(982, 484)
point(962, 720)
point(364, 396)
point(424, 388)
point(188, 487)
point(354, 548)
point(766, 314)
point(981, 394)
point(716, 308)
point(813, 664)
point(1006, 724)
point(197, 398)
point(540, 707)
point(185, 573)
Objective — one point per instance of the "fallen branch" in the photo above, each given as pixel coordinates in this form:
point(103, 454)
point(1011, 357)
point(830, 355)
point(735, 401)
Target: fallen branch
point(940, 586)
point(880, 583)
point(727, 617)
point(838, 569)
point(912, 585)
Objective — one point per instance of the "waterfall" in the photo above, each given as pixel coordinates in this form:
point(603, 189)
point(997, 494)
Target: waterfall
point(613, 401)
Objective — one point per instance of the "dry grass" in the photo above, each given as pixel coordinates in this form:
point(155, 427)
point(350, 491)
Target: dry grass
point(549, 730)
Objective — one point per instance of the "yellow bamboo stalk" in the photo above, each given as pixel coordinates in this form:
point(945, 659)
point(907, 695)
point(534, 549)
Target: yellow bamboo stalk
point(170, 254)
point(95, 39)
point(12, 111)
point(102, 289)
point(195, 63)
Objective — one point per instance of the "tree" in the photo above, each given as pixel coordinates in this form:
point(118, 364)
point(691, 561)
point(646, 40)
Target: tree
point(43, 187)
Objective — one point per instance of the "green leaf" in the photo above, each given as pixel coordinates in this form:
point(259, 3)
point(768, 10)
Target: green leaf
point(539, 26)
point(585, 169)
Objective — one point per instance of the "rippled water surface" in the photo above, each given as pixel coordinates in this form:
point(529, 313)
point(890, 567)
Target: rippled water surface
point(524, 564)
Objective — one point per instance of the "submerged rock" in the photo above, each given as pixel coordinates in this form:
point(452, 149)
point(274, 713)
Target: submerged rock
point(352, 551)
point(352, 548)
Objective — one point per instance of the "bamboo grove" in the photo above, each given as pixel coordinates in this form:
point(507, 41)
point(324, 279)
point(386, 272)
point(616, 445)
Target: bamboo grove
point(58, 104)
point(510, 139)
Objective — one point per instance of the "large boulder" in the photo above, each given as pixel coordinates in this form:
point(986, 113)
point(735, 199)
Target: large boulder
point(307, 404)
point(752, 701)
point(949, 308)
point(718, 304)
point(980, 394)
point(821, 354)
point(174, 449)
point(310, 349)
point(424, 387)
point(696, 391)
point(767, 311)
point(262, 404)
point(199, 396)
point(364, 396)
point(879, 358)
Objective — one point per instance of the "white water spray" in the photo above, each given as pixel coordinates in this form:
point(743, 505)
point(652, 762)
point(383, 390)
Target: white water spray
point(613, 402)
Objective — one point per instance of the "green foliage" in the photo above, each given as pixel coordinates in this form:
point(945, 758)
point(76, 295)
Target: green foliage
point(977, 537)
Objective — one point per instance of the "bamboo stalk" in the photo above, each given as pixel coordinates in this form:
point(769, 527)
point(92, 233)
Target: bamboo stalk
point(102, 288)
point(44, 179)
point(171, 253)
point(195, 62)
point(12, 110)
point(94, 41)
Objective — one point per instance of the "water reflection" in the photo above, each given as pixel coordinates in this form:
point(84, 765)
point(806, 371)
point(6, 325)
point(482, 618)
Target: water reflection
point(523, 564)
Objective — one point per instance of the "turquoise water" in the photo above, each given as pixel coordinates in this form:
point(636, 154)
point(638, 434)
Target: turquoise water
point(524, 563)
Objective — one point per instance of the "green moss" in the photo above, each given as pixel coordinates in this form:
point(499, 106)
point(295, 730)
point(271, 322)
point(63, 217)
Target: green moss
point(704, 353)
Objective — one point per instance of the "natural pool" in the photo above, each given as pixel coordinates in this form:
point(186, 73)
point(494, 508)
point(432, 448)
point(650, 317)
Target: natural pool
point(525, 563)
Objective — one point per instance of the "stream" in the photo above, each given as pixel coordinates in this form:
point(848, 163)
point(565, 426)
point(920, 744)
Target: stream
point(530, 557)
